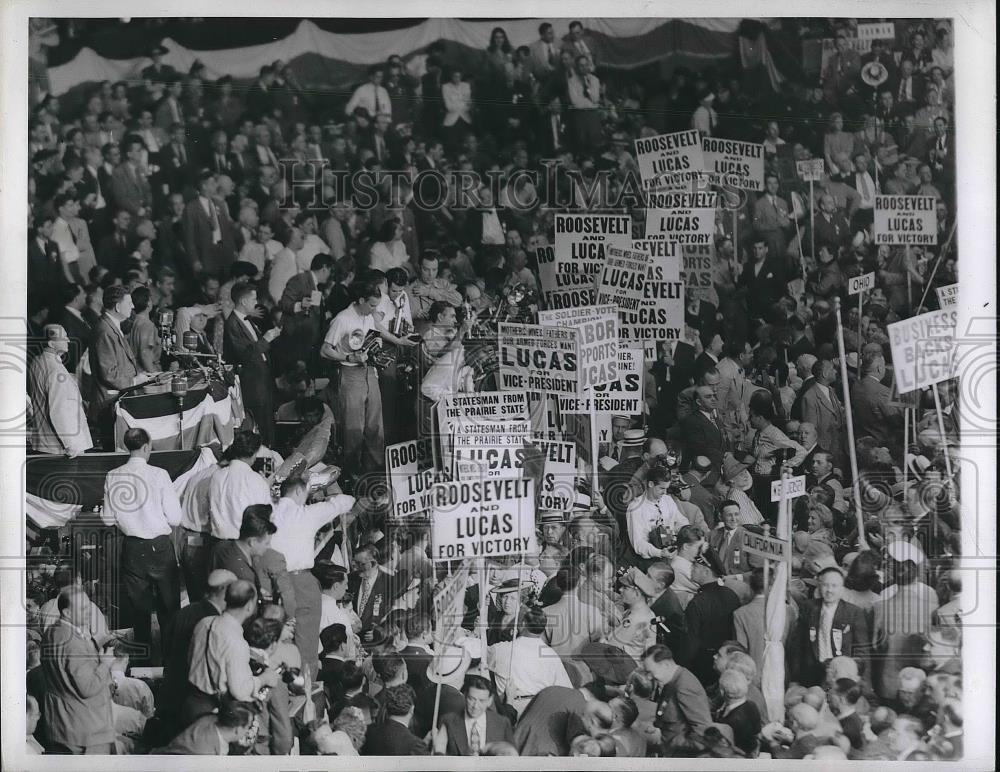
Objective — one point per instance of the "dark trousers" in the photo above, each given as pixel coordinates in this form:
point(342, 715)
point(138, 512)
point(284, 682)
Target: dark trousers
point(195, 551)
point(263, 417)
point(151, 581)
point(308, 605)
point(196, 705)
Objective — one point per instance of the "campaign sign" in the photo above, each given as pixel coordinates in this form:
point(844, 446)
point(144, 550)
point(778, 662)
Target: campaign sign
point(620, 397)
point(598, 326)
point(947, 296)
point(487, 431)
point(885, 30)
point(623, 278)
point(483, 519)
point(923, 349)
point(669, 159)
point(660, 316)
point(733, 163)
point(409, 469)
point(683, 218)
point(697, 264)
point(557, 489)
point(861, 283)
point(905, 220)
point(536, 358)
point(581, 240)
point(810, 171)
point(449, 606)
point(562, 288)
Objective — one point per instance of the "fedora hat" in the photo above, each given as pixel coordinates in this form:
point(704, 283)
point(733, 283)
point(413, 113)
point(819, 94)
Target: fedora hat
point(450, 662)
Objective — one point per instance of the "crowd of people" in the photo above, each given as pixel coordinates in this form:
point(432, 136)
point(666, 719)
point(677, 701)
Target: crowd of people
point(261, 218)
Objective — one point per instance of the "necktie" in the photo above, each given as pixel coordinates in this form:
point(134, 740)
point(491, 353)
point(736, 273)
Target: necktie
point(474, 739)
point(71, 234)
point(216, 229)
point(378, 102)
point(552, 55)
point(614, 453)
point(220, 162)
point(586, 88)
point(251, 328)
point(363, 598)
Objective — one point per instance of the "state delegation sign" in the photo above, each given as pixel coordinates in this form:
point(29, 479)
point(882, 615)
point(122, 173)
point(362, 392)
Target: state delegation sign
point(598, 326)
point(923, 349)
point(734, 164)
point(536, 358)
point(947, 296)
point(683, 218)
point(623, 278)
point(669, 159)
point(905, 220)
point(483, 519)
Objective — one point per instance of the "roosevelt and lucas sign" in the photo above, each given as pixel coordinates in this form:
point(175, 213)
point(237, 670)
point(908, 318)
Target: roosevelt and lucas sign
point(483, 519)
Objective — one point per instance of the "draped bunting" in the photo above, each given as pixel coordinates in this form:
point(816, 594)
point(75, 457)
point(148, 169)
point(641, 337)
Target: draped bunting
point(58, 488)
point(623, 43)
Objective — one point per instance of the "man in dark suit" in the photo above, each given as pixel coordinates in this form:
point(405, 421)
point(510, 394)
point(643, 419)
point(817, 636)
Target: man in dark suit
point(726, 540)
point(433, 111)
point(701, 430)
point(129, 182)
point(551, 127)
point(874, 412)
point(392, 737)
point(112, 362)
point(417, 654)
point(249, 349)
point(113, 250)
point(74, 299)
point(207, 239)
point(829, 627)
point(176, 160)
point(809, 440)
point(709, 617)
point(469, 732)
point(372, 589)
point(303, 317)
point(158, 71)
point(909, 86)
point(763, 279)
point(672, 627)
point(44, 266)
point(239, 556)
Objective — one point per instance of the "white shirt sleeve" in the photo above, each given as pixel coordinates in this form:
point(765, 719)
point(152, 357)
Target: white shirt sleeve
point(169, 499)
point(638, 530)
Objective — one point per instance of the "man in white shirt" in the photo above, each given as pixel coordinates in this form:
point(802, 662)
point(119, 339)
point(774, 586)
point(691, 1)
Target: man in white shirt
point(140, 499)
point(371, 95)
point(68, 207)
point(584, 90)
point(219, 659)
point(544, 52)
point(863, 182)
point(359, 399)
point(235, 487)
point(333, 609)
point(285, 263)
point(526, 665)
point(297, 524)
point(312, 244)
point(654, 510)
point(689, 576)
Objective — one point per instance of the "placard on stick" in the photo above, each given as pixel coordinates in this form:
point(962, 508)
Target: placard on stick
point(669, 159)
point(409, 467)
point(449, 606)
point(947, 296)
point(536, 358)
point(683, 218)
point(623, 278)
point(905, 220)
point(660, 316)
point(557, 489)
point(923, 349)
point(487, 430)
point(733, 163)
point(483, 519)
point(622, 396)
point(862, 283)
point(598, 327)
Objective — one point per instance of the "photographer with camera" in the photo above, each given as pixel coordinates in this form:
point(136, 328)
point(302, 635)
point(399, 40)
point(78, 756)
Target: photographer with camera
point(652, 521)
point(275, 734)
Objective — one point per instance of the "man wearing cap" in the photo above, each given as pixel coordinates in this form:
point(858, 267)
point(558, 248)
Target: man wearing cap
point(141, 501)
point(829, 627)
point(59, 421)
point(552, 527)
point(295, 537)
point(903, 616)
point(448, 669)
point(176, 646)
